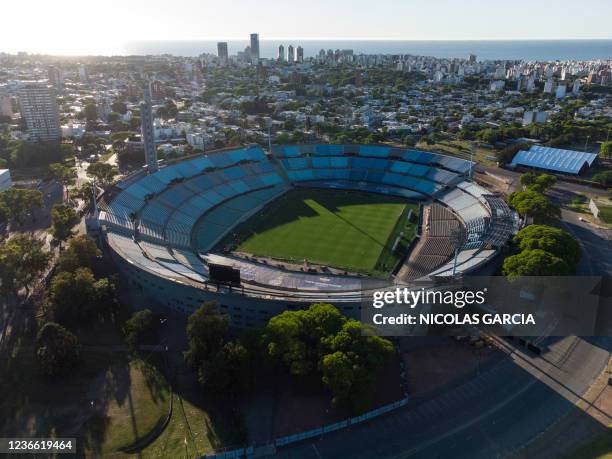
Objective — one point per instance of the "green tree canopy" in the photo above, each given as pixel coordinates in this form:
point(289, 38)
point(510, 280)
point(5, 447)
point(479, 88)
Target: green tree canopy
point(141, 328)
point(77, 298)
point(603, 178)
point(533, 204)
point(321, 340)
point(20, 202)
point(23, 258)
point(206, 331)
point(553, 240)
point(103, 172)
point(535, 263)
point(228, 371)
point(80, 252)
point(63, 220)
point(606, 149)
point(57, 350)
point(65, 175)
point(91, 111)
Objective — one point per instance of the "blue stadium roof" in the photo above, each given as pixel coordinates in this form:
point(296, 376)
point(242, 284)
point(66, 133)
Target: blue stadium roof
point(554, 159)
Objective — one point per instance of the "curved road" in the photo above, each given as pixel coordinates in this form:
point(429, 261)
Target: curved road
point(492, 415)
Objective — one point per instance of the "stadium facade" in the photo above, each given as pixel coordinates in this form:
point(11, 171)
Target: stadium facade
point(148, 223)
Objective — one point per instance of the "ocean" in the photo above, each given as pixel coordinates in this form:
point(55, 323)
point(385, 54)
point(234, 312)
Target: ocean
point(528, 50)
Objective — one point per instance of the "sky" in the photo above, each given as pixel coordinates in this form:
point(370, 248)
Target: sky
point(90, 27)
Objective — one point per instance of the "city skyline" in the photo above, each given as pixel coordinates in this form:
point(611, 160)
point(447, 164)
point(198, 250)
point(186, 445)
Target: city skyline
point(391, 20)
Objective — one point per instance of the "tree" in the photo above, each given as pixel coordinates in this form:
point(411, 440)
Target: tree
point(528, 179)
point(338, 375)
point(141, 328)
point(606, 148)
point(119, 106)
point(81, 252)
point(321, 339)
point(91, 111)
point(228, 371)
point(533, 204)
point(4, 214)
point(65, 175)
point(542, 182)
point(77, 298)
point(505, 155)
point(535, 263)
point(20, 202)
point(23, 259)
point(63, 219)
point(83, 192)
point(206, 331)
point(364, 352)
point(604, 178)
point(102, 172)
point(57, 350)
point(553, 240)
point(294, 338)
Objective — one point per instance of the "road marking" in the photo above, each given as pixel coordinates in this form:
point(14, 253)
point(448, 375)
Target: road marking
point(316, 451)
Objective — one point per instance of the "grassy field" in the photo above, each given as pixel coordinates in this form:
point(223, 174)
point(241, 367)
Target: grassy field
point(605, 214)
point(141, 406)
point(462, 149)
point(348, 230)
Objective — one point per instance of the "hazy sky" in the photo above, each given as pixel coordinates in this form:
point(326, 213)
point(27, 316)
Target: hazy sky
point(85, 26)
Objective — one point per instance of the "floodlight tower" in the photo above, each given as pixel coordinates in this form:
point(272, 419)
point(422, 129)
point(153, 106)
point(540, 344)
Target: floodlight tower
point(456, 239)
point(148, 134)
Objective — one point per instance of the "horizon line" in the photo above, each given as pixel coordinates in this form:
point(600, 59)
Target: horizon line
point(368, 39)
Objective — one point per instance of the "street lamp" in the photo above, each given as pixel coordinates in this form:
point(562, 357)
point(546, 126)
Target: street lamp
point(587, 142)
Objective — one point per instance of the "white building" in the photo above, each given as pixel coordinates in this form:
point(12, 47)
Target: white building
point(6, 107)
point(497, 85)
point(290, 54)
point(548, 86)
point(71, 129)
point(561, 91)
point(40, 111)
point(5, 179)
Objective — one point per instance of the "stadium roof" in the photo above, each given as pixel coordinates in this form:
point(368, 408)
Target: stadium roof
point(554, 159)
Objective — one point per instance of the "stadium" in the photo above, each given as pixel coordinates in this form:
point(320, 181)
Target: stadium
point(260, 232)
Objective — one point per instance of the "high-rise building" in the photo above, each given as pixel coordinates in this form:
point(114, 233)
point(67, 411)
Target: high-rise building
point(254, 47)
point(222, 52)
point(158, 91)
point(83, 74)
point(56, 77)
point(148, 135)
point(6, 106)
point(549, 86)
point(40, 111)
point(281, 53)
point(300, 54)
point(561, 91)
point(290, 54)
point(472, 58)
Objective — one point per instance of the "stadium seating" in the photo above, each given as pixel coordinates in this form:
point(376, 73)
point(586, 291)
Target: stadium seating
point(160, 220)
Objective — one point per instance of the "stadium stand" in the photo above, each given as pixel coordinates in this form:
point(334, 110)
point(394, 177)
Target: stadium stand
point(163, 226)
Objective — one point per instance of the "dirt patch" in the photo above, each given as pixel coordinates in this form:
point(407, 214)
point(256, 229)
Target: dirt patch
point(432, 362)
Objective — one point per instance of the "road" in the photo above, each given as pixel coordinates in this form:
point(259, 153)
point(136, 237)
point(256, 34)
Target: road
point(561, 185)
point(492, 415)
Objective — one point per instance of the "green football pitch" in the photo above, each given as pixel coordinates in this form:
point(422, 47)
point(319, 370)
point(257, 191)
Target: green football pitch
point(348, 230)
